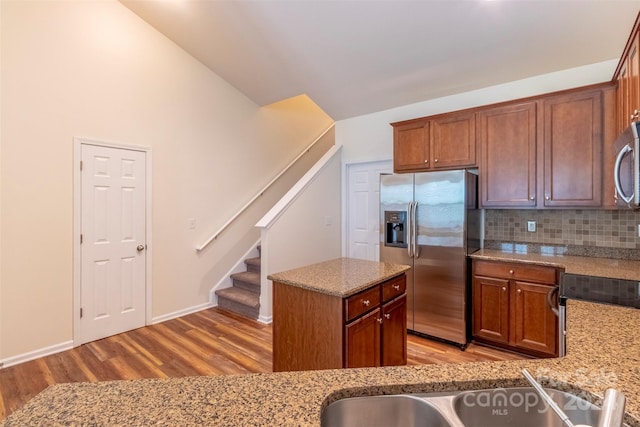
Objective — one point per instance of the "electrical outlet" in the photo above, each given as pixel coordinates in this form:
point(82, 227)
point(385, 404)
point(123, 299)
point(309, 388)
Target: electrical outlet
point(531, 226)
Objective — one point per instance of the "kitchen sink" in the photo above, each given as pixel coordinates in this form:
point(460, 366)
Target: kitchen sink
point(521, 407)
point(382, 411)
point(518, 406)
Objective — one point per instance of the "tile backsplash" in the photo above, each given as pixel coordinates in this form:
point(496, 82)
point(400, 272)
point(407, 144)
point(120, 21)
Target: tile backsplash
point(592, 228)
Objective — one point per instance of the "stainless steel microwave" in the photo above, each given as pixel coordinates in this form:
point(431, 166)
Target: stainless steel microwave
point(626, 172)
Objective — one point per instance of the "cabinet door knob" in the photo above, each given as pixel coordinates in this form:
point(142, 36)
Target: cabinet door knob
point(510, 271)
point(547, 197)
point(396, 287)
point(436, 160)
point(380, 320)
point(532, 198)
point(426, 161)
point(519, 291)
point(366, 303)
point(504, 288)
point(387, 316)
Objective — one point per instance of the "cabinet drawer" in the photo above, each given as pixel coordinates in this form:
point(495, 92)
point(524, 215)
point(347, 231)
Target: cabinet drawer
point(394, 287)
point(360, 303)
point(517, 271)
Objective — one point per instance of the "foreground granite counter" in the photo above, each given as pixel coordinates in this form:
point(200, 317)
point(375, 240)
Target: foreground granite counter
point(586, 266)
point(340, 277)
point(603, 352)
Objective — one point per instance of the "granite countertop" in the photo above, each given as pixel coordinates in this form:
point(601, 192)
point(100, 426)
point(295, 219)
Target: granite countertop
point(587, 266)
point(341, 277)
point(601, 355)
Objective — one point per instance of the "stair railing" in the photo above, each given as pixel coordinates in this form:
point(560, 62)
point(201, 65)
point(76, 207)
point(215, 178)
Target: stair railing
point(215, 235)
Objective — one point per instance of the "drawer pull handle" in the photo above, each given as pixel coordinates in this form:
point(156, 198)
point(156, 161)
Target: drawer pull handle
point(366, 303)
point(396, 287)
point(387, 316)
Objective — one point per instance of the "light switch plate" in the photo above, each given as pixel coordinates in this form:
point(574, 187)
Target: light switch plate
point(531, 226)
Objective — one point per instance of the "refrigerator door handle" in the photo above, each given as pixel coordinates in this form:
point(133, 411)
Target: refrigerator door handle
point(409, 224)
point(416, 248)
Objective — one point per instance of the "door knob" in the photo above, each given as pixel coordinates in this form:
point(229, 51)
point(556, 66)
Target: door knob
point(140, 248)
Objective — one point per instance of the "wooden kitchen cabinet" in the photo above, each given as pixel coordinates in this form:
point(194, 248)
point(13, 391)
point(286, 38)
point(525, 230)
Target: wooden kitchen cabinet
point(627, 77)
point(362, 345)
point(394, 332)
point(507, 166)
point(510, 307)
point(378, 338)
point(411, 146)
point(313, 330)
point(547, 152)
point(573, 142)
point(446, 141)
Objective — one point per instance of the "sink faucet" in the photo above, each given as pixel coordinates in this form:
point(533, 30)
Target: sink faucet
point(611, 415)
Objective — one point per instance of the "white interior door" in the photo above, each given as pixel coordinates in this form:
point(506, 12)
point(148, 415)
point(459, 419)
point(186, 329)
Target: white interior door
point(113, 248)
point(363, 209)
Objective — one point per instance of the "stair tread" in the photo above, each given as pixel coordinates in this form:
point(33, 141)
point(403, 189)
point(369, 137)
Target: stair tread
point(247, 276)
point(253, 261)
point(241, 296)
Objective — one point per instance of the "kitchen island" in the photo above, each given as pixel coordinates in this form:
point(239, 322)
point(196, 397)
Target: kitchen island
point(341, 313)
point(603, 352)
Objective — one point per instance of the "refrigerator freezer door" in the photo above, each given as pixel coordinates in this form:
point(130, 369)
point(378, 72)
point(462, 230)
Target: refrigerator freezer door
point(440, 270)
point(396, 194)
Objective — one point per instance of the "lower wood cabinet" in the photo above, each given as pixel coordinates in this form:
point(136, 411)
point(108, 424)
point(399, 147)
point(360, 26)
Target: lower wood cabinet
point(312, 330)
point(511, 307)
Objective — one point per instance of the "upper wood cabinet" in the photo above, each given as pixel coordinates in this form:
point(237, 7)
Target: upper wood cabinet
point(446, 141)
point(508, 155)
point(572, 138)
point(627, 76)
point(411, 146)
point(546, 152)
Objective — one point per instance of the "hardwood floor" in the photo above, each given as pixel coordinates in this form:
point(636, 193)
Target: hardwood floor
point(209, 342)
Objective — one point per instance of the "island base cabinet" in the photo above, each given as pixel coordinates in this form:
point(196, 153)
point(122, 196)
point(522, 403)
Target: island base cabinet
point(307, 329)
point(378, 338)
point(313, 330)
point(394, 332)
point(362, 341)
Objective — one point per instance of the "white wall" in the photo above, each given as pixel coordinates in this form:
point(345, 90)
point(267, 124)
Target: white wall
point(370, 137)
point(94, 69)
point(307, 231)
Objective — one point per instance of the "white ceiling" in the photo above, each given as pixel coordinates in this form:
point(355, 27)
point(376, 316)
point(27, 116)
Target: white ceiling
point(358, 57)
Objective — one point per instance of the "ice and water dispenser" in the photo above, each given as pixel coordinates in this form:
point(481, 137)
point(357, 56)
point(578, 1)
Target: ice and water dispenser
point(395, 228)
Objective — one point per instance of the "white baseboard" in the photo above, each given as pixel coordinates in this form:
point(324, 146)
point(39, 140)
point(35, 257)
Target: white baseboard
point(239, 267)
point(182, 312)
point(265, 319)
point(35, 354)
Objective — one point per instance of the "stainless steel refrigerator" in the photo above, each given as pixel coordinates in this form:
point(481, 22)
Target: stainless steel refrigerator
point(430, 221)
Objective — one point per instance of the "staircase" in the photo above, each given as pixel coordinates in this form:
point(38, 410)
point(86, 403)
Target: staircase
point(244, 296)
